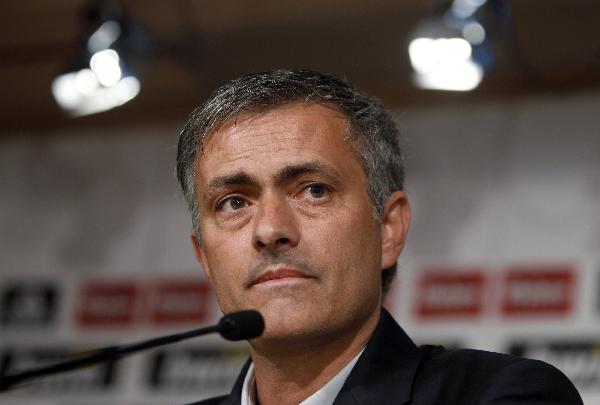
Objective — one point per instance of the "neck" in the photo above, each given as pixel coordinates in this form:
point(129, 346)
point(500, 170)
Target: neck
point(289, 373)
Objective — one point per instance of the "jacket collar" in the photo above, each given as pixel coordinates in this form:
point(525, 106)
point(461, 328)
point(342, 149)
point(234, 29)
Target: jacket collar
point(386, 368)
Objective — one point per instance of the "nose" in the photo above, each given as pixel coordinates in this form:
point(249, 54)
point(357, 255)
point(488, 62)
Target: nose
point(275, 226)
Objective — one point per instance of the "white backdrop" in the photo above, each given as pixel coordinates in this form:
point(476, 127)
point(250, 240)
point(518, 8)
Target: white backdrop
point(503, 253)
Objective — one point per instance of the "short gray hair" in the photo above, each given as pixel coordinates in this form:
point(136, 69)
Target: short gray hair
point(375, 134)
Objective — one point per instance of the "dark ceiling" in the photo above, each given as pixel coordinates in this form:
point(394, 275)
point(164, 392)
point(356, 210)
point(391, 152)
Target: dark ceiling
point(539, 47)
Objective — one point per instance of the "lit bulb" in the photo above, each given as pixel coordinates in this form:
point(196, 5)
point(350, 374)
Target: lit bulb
point(444, 64)
point(105, 64)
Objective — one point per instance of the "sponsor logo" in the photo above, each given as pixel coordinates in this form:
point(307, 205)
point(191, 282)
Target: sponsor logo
point(538, 290)
point(107, 304)
point(183, 301)
point(28, 304)
point(579, 360)
point(450, 293)
point(196, 369)
point(91, 379)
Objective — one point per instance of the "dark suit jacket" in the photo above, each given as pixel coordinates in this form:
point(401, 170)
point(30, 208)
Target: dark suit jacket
point(393, 370)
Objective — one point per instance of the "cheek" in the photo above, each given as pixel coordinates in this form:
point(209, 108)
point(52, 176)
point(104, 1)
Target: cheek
point(363, 234)
point(351, 245)
point(225, 268)
point(224, 250)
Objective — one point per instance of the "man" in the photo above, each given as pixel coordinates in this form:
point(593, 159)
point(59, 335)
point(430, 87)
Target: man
point(295, 184)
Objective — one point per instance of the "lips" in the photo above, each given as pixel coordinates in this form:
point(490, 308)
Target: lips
point(280, 274)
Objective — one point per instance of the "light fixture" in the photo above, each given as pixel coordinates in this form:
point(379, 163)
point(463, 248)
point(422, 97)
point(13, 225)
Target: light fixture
point(444, 51)
point(100, 78)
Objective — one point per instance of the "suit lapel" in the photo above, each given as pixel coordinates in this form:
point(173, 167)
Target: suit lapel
point(386, 369)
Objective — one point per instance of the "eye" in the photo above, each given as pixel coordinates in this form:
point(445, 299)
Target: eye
point(316, 191)
point(231, 204)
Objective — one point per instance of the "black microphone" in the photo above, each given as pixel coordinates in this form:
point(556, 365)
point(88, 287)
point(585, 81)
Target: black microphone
point(234, 326)
point(241, 325)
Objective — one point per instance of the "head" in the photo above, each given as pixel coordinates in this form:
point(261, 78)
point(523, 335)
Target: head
point(373, 135)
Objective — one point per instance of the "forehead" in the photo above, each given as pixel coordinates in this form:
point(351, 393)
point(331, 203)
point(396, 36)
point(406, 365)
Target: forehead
point(295, 131)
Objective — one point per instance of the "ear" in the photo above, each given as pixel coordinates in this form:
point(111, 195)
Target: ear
point(395, 222)
point(201, 256)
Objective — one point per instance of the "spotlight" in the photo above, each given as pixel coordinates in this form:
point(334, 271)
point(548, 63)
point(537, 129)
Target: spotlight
point(100, 78)
point(444, 51)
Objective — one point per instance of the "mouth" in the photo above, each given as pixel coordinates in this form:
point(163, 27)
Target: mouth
point(280, 274)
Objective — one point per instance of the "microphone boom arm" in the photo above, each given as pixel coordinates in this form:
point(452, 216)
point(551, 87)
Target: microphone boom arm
point(236, 326)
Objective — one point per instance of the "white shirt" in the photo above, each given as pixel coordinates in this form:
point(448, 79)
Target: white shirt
point(324, 396)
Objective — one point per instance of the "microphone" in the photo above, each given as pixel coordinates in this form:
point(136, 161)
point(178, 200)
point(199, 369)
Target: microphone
point(241, 325)
point(235, 326)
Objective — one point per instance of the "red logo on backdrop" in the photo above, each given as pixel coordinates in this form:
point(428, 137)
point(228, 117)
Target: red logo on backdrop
point(180, 301)
point(107, 303)
point(450, 293)
point(538, 290)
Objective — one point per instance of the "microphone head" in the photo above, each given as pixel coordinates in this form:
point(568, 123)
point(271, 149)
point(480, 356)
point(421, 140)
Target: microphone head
point(242, 325)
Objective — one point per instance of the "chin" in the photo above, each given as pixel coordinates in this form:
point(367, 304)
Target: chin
point(286, 324)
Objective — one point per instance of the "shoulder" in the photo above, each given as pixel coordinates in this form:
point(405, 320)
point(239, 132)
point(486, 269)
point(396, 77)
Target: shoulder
point(437, 358)
point(484, 377)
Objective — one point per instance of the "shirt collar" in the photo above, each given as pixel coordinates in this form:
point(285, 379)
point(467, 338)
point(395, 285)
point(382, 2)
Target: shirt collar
point(324, 396)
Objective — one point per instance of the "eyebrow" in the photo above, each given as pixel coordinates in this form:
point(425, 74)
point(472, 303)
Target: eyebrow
point(284, 175)
point(238, 178)
point(294, 171)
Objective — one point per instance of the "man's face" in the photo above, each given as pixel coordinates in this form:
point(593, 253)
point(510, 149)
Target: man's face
point(287, 224)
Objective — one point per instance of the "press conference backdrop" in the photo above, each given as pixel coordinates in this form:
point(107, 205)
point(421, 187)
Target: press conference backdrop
point(503, 253)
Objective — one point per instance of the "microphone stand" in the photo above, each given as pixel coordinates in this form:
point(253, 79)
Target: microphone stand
point(236, 326)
